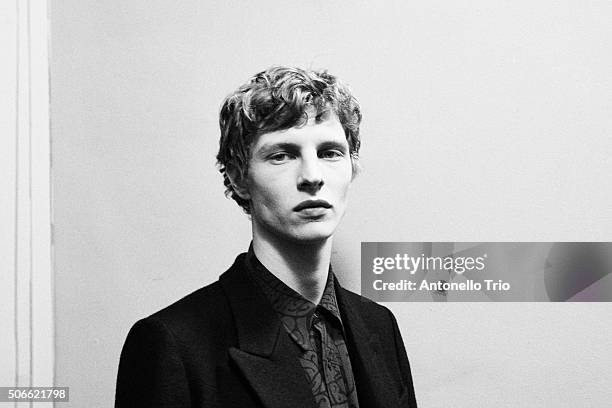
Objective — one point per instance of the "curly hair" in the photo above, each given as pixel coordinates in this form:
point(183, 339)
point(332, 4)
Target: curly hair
point(280, 98)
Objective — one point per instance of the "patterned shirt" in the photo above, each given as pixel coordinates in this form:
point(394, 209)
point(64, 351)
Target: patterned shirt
point(317, 330)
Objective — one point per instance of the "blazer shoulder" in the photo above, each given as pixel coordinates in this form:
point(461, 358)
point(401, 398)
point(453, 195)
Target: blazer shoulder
point(205, 308)
point(208, 295)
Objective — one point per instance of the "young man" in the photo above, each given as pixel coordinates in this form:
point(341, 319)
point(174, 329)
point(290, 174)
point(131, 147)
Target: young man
point(277, 329)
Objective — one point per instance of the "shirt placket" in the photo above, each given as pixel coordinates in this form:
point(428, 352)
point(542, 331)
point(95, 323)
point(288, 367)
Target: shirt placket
point(334, 382)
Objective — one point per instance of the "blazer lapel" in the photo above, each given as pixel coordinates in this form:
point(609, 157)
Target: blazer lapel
point(373, 381)
point(266, 356)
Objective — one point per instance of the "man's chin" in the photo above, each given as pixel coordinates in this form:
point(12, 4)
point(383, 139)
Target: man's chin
point(310, 235)
point(296, 233)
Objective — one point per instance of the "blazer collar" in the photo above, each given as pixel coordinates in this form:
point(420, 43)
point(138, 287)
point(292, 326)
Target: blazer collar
point(265, 355)
point(269, 360)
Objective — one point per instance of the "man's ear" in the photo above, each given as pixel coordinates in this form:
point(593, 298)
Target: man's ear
point(239, 182)
point(355, 167)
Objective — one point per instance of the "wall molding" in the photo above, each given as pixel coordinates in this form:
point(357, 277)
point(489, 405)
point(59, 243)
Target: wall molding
point(26, 281)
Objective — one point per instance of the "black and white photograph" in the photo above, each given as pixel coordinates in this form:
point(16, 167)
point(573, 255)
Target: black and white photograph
point(305, 204)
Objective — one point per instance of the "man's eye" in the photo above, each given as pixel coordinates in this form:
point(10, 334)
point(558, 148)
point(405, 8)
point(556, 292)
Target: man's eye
point(331, 154)
point(280, 157)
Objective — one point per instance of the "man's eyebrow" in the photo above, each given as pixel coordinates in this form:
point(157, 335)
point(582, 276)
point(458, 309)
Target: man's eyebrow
point(270, 147)
point(333, 145)
point(292, 147)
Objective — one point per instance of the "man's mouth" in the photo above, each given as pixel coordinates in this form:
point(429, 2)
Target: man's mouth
point(312, 204)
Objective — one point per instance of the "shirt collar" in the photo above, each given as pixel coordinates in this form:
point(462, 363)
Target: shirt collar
point(295, 311)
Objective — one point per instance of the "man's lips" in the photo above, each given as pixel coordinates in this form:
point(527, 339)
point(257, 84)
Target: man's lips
point(312, 204)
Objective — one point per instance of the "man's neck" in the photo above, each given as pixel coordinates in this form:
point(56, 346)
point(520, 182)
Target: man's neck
point(302, 267)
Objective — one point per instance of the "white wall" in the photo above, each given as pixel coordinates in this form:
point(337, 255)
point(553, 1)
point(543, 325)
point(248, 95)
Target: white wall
point(483, 121)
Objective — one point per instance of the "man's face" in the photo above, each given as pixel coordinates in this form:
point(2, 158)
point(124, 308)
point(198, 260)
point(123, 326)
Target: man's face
point(298, 180)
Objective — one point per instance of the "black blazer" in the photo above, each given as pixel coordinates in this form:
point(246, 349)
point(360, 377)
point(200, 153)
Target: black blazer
point(224, 346)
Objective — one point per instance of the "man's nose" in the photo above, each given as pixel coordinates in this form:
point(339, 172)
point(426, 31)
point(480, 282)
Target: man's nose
point(310, 177)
